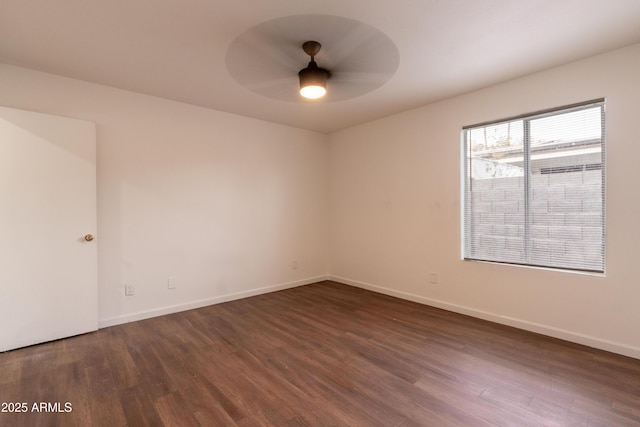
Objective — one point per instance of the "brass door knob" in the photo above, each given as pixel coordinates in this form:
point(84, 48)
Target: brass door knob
point(88, 237)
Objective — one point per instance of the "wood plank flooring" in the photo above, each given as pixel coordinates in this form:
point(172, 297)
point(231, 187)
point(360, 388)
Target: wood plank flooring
point(319, 355)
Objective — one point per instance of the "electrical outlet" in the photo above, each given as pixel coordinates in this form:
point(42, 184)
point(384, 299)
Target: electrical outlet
point(129, 290)
point(294, 265)
point(433, 278)
point(171, 282)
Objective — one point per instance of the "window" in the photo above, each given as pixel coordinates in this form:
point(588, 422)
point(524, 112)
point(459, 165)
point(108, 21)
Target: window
point(534, 190)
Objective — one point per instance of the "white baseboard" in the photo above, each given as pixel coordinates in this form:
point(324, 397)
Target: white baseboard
point(551, 331)
point(141, 315)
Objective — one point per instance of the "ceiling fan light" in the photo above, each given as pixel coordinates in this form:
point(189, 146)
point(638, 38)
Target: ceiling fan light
point(313, 91)
point(313, 81)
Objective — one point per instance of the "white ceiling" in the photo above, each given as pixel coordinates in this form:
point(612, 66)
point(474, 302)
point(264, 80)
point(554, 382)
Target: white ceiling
point(176, 49)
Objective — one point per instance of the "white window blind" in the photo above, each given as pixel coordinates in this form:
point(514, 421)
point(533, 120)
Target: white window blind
point(534, 189)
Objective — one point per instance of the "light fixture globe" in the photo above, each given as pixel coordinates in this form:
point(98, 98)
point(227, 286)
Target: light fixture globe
point(313, 79)
point(313, 92)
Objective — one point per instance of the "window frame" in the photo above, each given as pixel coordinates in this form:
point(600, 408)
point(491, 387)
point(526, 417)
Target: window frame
point(466, 179)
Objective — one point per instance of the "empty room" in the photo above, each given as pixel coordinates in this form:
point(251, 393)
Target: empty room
point(292, 213)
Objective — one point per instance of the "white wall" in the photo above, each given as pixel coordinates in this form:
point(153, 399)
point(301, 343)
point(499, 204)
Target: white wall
point(395, 209)
point(222, 202)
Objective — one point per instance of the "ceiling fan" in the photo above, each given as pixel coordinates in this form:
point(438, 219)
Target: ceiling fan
point(313, 79)
point(355, 59)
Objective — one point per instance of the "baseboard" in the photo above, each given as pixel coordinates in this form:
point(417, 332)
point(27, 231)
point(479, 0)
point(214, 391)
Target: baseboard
point(141, 315)
point(551, 331)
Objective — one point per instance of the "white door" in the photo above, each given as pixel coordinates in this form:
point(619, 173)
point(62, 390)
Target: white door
point(48, 269)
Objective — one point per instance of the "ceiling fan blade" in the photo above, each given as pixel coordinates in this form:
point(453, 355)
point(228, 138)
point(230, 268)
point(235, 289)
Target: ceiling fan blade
point(346, 77)
point(249, 60)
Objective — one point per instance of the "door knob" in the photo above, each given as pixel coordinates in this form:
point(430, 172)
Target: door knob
point(88, 237)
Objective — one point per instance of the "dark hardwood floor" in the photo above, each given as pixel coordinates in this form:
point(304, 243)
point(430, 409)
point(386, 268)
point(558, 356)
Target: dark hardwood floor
point(319, 355)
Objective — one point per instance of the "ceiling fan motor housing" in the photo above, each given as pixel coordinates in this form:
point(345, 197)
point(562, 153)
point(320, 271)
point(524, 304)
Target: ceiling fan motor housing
point(313, 75)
